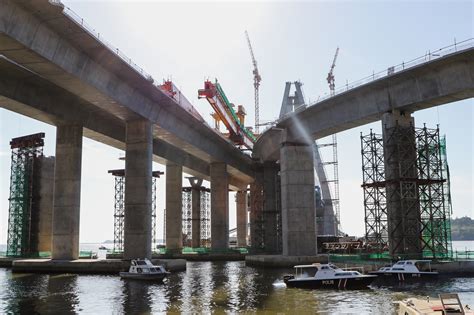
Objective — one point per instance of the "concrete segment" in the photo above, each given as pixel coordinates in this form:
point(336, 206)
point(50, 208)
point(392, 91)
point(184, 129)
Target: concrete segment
point(174, 207)
point(241, 202)
point(219, 206)
point(67, 192)
point(298, 200)
point(270, 207)
point(138, 190)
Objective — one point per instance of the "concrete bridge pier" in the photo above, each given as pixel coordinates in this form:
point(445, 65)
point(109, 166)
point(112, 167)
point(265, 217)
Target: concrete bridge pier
point(219, 206)
point(174, 208)
point(196, 184)
point(138, 189)
point(256, 213)
point(297, 199)
point(241, 202)
point(270, 207)
point(67, 192)
point(46, 191)
point(403, 207)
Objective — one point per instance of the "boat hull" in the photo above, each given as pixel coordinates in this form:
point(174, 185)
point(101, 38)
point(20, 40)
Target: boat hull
point(347, 283)
point(143, 276)
point(404, 276)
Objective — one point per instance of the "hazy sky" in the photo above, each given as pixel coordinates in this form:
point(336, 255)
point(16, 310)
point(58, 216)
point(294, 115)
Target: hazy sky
point(192, 41)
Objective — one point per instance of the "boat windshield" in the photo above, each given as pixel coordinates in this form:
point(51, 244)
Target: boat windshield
point(306, 272)
point(141, 263)
point(423, 265)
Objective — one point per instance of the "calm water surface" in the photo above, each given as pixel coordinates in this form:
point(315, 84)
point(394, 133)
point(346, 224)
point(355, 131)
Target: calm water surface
point(205, 287)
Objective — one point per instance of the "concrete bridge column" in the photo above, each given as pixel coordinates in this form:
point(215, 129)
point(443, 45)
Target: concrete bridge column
point(256, 213)
point(241, 201)
point(196, 211)
point(270, 173)
point(219, 206)
point(297, 200)
point(67, 192)
point(403, 207)
point(138, 189)
point(174, 207)
point(46, 191)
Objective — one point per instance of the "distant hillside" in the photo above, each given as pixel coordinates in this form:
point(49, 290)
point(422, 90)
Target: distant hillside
point(462, 229)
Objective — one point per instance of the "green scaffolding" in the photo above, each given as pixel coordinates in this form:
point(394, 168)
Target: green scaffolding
point(432, 190)
point(24, 196)
point(435, 200)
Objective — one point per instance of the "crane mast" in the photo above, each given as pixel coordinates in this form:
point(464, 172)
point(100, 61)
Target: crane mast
point(256, 83)
point(335, 164)
point(330, 78)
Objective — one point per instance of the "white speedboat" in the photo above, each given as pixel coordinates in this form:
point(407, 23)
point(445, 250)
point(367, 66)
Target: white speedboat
point(406, 270)
point(327, 276)
point(143, 269)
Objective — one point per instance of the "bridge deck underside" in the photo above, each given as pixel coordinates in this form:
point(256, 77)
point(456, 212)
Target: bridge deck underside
point(40, 38)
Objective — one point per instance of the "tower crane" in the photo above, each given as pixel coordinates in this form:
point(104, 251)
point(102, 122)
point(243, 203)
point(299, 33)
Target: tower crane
point(330, 77)
point(256, 83)
point(335, 163)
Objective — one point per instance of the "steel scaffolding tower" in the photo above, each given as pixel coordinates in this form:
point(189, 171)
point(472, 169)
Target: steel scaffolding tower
point(24, 201)
point(205, 217)
point(375, 202)
point(187, 216)
point(332, 183)
point(421, 192)
point(154, 240)
point(434, 194)
point(119, 209)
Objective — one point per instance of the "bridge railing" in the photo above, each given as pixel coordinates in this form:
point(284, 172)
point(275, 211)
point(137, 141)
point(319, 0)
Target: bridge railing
point(89, 29)
point(430, 55)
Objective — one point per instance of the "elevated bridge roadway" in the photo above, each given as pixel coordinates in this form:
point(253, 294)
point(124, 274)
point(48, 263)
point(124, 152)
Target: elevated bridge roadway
point(58, 50)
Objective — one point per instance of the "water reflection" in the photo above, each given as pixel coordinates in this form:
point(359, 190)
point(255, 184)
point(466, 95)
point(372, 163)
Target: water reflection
point(135, 297)
point(205, 287)
point(40, 294)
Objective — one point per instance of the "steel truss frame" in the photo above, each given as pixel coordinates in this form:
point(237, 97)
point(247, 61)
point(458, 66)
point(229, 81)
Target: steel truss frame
point(375, 199)
point(205, 216)
point(119, 209)
point(23, 211)
point(422, 191)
